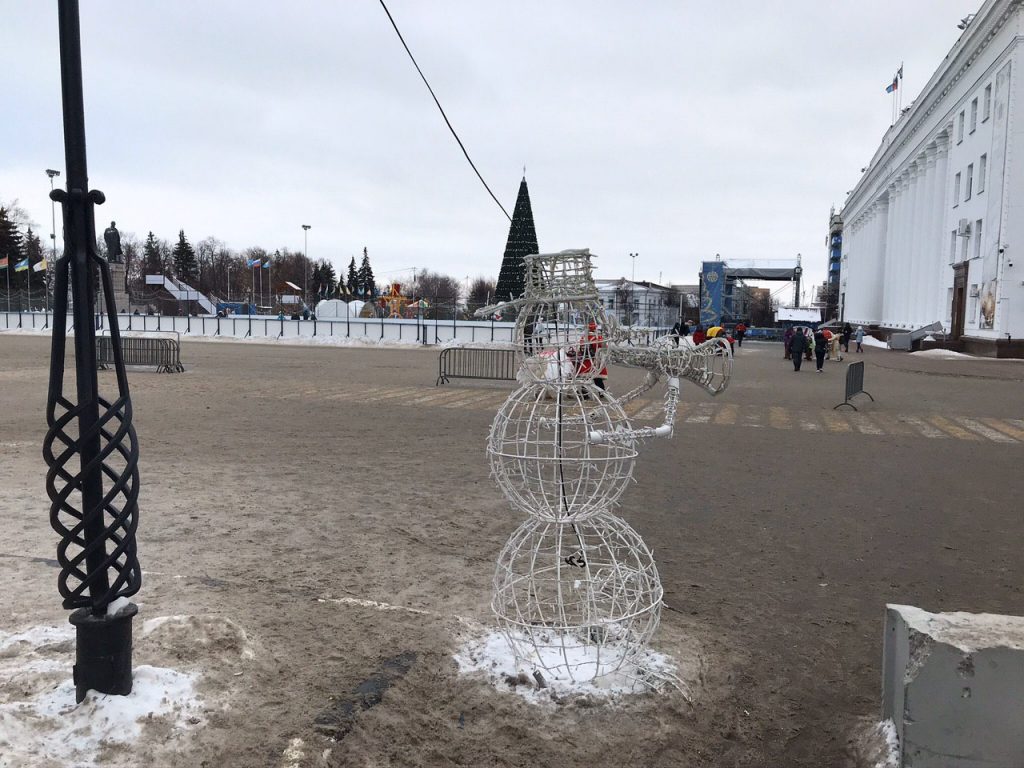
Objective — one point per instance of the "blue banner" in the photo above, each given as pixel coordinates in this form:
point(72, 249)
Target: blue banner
point(713, 278)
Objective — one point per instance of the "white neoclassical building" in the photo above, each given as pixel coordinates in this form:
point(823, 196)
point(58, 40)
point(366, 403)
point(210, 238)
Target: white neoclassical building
point(934, 229)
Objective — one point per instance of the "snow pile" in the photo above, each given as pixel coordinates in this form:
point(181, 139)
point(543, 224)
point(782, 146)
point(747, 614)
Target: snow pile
point(875, 744)
point(949, 354)
point(40, 723)
point(871, 341)
point(966, 631)
point(491, 654)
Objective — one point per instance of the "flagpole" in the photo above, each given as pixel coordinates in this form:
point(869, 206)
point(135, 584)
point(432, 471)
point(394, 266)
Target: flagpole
point(253, 290)
point(7, 274)
point(270, 282)
point(260, 270)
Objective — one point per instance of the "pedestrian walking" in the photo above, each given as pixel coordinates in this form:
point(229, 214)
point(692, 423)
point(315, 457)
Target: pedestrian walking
point(676, 332)
point(820, 348)
point(741, 331)
point(797, 345)
point(787, 343)
point(699, 337)
point(859, 338)
point(845, 337)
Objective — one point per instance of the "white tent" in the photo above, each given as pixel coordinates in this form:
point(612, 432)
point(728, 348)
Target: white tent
point(335, 309)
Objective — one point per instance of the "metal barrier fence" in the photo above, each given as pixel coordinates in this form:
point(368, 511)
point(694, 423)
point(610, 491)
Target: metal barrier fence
point(476, 363)
point(854, 384)
point(164, 353)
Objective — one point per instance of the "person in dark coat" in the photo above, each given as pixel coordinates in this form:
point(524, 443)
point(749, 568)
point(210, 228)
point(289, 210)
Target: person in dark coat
point(787, 340)
point(797, 345)
point(844, 337)
point(820, 349)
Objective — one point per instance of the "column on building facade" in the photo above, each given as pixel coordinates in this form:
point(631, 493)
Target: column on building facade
point(940, 256)
point(926, 313)
point(899, 309)
point(905, 316)
point(922, 255)
point(902, 315)
point(891, 240)
point(894, 247)
point(879, 244)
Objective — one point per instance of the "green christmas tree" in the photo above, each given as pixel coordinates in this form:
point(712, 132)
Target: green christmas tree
point(367, 285)
point(352, 282)
point(522, 241)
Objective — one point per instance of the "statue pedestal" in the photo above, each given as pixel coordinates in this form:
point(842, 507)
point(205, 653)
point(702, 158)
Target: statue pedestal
point(121, 302)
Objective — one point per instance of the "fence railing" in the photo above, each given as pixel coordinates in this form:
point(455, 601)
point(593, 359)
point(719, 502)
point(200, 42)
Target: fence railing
point(164, 353)
point(854, 384)
point(416, 330)
point(478, 363)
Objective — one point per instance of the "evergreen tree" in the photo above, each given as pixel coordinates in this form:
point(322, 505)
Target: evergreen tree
point(12, 246)
point(367, 286)
point(522, 241)
point(352, 283)
point(33, 249)
point(328, 278)
point(316, 279)
point(186, 266)
point(151, 262)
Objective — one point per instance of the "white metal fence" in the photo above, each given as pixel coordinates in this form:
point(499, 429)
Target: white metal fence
point(263, 326)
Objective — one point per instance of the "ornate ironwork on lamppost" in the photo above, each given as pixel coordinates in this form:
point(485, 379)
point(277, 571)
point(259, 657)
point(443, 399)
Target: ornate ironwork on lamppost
point(90, 446)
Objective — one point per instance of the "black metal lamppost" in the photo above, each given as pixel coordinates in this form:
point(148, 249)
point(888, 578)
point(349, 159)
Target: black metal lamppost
point(90, 446)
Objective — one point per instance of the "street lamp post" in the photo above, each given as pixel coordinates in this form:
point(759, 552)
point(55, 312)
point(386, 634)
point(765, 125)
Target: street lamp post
point(90, 445)
point(632, 289)
point(305, 262)
point(53, 243)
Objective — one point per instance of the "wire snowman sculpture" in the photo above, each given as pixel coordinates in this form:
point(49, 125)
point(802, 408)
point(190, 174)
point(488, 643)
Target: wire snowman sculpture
point(576, 590)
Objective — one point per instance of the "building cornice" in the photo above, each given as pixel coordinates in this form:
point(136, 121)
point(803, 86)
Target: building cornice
point(990, 19)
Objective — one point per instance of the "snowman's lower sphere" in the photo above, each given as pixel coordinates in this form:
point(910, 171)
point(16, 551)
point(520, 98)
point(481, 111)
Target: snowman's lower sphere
point(579, 600)
point(541, 456)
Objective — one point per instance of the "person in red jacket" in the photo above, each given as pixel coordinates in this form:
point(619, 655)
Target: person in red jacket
point(699, 337)
point(741, 331)
point(587, 353)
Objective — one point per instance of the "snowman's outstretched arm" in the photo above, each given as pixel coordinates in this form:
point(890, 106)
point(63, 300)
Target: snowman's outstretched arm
point(708, 365)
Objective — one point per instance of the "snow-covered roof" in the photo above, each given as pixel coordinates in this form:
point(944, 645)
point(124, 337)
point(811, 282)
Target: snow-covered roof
point(798, 314)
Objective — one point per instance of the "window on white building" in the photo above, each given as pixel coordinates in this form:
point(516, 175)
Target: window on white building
point(952, 246)
point(974, 115)
point(963, 248)
point(970, 182)
point(972, 314)
point(976, 234)
point(982, 170)
point(987, 109)
point(960, 128)
point(956, 190)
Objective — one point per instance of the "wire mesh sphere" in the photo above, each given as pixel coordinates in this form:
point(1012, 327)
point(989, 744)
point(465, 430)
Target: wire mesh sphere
point(562, 341)
point(579, 600)
point(541, 456)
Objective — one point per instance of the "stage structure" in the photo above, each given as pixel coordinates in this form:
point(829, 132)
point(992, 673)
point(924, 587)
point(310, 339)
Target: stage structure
point(576, 590)
point(721, 286)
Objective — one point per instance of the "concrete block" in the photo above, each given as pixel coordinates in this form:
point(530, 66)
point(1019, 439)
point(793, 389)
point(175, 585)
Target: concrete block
point(953, 684)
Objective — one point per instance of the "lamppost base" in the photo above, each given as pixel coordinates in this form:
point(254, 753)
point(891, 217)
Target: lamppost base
point(103, 651)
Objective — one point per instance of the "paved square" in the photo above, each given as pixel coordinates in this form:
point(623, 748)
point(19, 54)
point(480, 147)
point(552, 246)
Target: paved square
point(284, 488)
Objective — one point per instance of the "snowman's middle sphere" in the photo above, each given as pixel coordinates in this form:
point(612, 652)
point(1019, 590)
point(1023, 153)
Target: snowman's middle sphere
point(541, 457)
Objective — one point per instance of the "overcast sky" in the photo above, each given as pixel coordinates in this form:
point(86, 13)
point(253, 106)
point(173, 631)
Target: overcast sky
point(676, 130)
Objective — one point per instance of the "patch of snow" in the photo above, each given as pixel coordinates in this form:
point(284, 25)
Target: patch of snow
point(370, 604)
point(949, 354)
point(49, 728)
point(34, 638)
point(118, 605)
point(606, 676)
point(871, 341)
point(966, 631)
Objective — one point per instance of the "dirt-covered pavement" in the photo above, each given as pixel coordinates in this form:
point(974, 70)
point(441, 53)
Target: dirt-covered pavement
point(284, 487)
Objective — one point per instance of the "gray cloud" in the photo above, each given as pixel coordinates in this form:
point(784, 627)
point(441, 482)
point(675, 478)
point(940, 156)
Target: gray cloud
point(675, 129)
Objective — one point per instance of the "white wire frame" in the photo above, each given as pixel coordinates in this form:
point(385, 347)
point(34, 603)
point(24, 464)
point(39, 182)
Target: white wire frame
point(579, 600)
point(542, 457)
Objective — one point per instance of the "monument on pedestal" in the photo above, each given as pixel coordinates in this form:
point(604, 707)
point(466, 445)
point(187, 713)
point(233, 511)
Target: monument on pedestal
point(118, 269)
